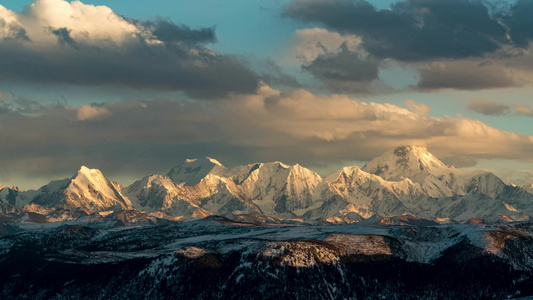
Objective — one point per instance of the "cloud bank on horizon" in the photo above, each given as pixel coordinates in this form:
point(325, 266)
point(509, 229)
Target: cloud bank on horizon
point(225, 106)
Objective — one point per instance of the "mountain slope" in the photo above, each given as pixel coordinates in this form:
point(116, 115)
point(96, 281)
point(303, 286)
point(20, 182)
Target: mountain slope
point(273, 189)
point(370, 194)
point(8, 196)
point(193, 170)
point(280, 190)
point(432, 176)
point(197, 185)
point(410, 180)
point(88, 189)
point(156, 193)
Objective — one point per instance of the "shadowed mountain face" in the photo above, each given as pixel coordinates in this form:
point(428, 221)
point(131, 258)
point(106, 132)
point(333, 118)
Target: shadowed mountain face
point(407, 180)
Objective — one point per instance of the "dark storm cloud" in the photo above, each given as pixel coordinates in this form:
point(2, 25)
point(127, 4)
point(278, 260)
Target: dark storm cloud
point(155, 67)
point(167, 31)
point(103, 48)
point(520, 22)
point(344, 71)
point(412, 30)
point(449, 42)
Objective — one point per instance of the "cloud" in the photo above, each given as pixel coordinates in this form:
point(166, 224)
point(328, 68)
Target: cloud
point(460, 161)
point(291, 126)
point(55, 41)
point(90, 112)
point(64, 38)
point(488, 107)
point(344, 71)
point(20, 104)
point(166, 31)
point(418, 108)
point(310, 43)
point(411, 30)
point(524, 110)
point(519, 21)
point(453, 44)
point(336, 60)
point(272, 74)
point(463, 75)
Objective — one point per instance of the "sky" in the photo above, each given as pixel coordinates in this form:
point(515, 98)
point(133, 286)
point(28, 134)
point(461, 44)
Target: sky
point(134, 88)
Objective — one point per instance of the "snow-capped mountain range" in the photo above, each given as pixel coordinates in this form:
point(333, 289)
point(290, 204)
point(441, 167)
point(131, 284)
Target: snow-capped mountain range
point(405, 181)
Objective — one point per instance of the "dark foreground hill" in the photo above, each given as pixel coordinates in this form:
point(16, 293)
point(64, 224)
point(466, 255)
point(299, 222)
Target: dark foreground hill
point(216, 258)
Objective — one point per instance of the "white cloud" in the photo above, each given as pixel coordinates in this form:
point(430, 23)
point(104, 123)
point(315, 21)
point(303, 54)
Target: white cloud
point(89, 112)
point(86, 22)
point(524, 110)
point(418, 108)
point(57, 41)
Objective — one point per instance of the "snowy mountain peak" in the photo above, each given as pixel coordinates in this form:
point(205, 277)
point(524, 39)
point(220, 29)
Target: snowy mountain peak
point(299, 168)
point(88, 173)
point(279, 189)
point(302, 173)
point(157, 193)
point(344, 172)
point(421, 167)
point(13, 188)
point(94, 179)
point(486, 184)
point(279, 164)
point(417, 154)
point(88, 189)
point(405, 162)
point(149, 181)
point(203, 159)
point(193, 170)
